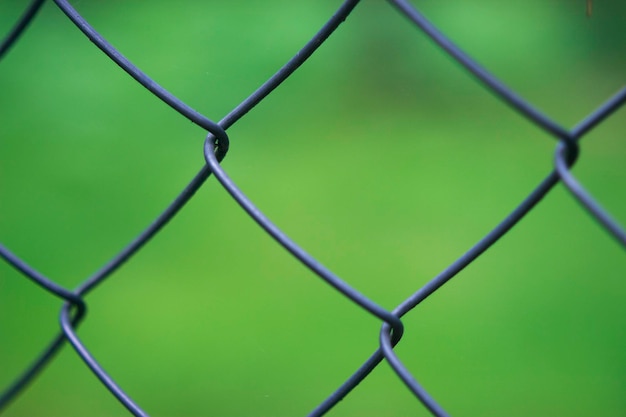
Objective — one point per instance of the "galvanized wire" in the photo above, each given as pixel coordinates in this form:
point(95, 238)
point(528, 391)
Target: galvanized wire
point(216, 147)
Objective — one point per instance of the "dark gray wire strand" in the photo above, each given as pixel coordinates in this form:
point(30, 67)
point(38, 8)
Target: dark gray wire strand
point(483, 244)
point(107, 381)
point(562, 167)
point(306, 259)
point(607, 108)
point(39, 279)
point(21, 382)
point(73, 300)
point(582, 196)
point(386, 346)
point(19, 27)
point(137, 74)
point(294, 63)
point(147, 234)
point(489, 80)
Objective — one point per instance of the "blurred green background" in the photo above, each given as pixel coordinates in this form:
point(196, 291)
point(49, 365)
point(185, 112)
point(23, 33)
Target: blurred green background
point(381, 157)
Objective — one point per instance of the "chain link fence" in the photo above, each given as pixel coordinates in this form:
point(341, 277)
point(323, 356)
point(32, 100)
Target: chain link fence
point(216, 148)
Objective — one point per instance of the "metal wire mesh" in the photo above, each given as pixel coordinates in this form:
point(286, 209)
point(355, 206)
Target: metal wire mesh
point(216, 147)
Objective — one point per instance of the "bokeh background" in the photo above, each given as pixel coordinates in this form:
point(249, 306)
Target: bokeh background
point(381, 157)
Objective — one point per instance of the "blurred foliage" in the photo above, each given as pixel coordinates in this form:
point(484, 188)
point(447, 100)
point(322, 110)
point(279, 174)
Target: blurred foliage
point(381, 157)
